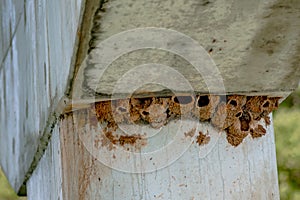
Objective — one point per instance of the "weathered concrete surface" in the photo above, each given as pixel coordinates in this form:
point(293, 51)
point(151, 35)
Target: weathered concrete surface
point(37, 45)
point(245, 172)
point(254, 44)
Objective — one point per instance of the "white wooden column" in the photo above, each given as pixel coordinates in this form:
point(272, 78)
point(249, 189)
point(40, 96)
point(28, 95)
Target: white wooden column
point(216, 170)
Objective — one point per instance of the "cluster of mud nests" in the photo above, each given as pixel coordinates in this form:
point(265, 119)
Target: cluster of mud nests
point(236, 114)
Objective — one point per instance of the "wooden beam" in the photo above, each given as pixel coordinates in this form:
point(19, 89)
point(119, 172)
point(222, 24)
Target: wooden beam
point(215, 170)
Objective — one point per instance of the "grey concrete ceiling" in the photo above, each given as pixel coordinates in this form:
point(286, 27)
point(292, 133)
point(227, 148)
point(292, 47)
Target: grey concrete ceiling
point(254, 45)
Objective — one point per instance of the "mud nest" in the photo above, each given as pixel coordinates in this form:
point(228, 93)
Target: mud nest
point(238, 115)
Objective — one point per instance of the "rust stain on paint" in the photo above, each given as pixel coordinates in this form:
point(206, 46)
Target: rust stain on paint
point(203, 139)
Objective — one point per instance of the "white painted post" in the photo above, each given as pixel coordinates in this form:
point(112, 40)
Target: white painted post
point(219, 171)
point(37, 43)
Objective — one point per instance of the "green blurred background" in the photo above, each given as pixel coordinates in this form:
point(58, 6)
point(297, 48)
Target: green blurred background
point(287, 134)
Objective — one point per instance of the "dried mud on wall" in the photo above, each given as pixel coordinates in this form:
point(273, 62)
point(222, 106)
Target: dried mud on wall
point(237, 115)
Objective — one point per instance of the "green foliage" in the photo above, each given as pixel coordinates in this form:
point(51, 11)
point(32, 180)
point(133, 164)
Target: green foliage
point(292, 101)
point(287, 133)
point(6, 193)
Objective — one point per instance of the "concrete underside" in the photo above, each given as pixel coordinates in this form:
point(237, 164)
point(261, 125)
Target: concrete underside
point(254, 45)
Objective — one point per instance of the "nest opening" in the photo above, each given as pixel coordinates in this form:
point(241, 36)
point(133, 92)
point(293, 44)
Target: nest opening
point(244, 125)
point(122, 109)
point(266, 104)
point(145, 101)
point(245, 119)
point(233, 103)
point(203, 101)
point(183, 99)
point(145, 113)
point(239, 114)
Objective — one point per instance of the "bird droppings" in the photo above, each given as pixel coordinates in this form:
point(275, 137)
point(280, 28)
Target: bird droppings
point(202, 139)
point(237, 115)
